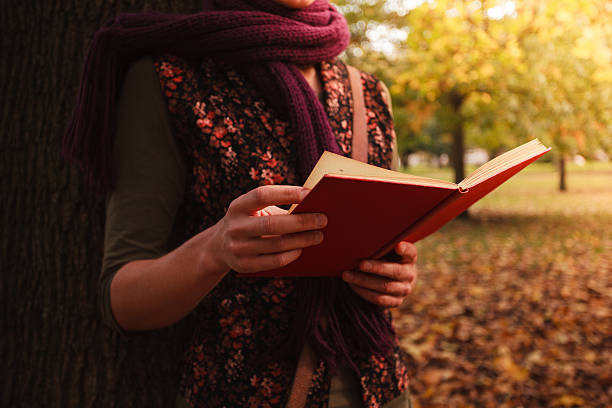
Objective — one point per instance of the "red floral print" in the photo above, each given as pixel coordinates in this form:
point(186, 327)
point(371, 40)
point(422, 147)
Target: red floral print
point(234, 141)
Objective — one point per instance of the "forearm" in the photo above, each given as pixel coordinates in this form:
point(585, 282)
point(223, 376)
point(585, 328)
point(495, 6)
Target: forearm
point(155, 293)
point(254, 235)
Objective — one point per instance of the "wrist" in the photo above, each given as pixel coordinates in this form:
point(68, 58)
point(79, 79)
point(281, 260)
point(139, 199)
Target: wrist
point(211, 261)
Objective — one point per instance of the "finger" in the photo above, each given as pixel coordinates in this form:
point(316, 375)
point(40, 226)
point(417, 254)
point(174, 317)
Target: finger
point(391, 270)
point(378, 284)
point(280, 224)
point(378, 298)
point(282, 243)
point(265, 196)
point(260, 263)
point(407, 250)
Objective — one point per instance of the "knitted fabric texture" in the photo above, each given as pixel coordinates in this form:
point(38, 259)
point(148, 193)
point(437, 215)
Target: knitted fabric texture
point(268, 39)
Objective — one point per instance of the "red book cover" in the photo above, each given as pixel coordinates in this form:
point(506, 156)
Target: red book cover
point(369, 210)
point(363, 214)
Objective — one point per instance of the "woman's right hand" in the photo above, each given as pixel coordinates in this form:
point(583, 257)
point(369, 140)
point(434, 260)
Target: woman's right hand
point(256, 235)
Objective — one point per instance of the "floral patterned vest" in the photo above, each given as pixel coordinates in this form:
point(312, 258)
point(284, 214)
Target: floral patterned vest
point(234, 141)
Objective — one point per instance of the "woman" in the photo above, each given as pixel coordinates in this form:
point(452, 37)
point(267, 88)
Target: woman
point(214, 134)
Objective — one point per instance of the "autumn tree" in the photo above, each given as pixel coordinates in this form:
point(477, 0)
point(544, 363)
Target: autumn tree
point(55, 350)
point(492, 73)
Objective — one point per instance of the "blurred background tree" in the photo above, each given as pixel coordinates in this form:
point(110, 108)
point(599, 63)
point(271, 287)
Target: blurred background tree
point(491, 74)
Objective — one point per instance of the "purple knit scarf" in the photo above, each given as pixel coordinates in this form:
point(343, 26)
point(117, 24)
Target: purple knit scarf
point(268, 41)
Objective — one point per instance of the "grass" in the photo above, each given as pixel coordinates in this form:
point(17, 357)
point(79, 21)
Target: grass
point(535, 190)
point(513, 306)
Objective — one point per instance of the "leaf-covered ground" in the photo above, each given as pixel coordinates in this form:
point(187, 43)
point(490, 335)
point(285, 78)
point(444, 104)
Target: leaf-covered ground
point(513, 307)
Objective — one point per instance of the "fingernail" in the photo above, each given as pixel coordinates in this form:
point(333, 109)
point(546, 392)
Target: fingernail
point(366, 266)
point(321, 220)
point(318, 237)
point(303, 193)
point(402, 246)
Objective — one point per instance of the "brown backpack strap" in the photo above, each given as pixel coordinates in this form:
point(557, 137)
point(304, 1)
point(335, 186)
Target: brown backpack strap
point(360, 131)
point(303, 378)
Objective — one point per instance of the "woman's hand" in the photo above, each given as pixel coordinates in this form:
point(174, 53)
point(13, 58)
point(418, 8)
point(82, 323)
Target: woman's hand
point(385, 283)
point(256, 235)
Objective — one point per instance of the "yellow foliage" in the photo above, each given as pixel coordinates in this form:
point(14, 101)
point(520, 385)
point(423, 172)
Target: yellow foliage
point(487, 70)
point(529, 68)
point(602, 75)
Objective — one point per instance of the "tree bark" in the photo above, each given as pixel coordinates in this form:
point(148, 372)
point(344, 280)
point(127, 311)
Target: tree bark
point(56, 351)
point(562, 173)
point(459, 153)
point(458, 149)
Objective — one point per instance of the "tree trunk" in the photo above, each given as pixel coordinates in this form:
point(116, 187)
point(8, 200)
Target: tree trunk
point(405, 161)
point(56, 351)
point(459, 153)
point(458, 148)
point(562, 173)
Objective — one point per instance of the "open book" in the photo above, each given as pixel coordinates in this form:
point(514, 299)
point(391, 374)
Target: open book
point(371, 209)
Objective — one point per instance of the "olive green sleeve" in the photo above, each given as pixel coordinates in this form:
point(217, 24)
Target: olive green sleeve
point(149, 176)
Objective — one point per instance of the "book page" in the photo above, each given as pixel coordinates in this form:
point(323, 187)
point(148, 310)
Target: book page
point(504, 162)
point(331, 163)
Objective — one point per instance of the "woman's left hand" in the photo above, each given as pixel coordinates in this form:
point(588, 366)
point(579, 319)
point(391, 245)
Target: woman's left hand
point(385, 283)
